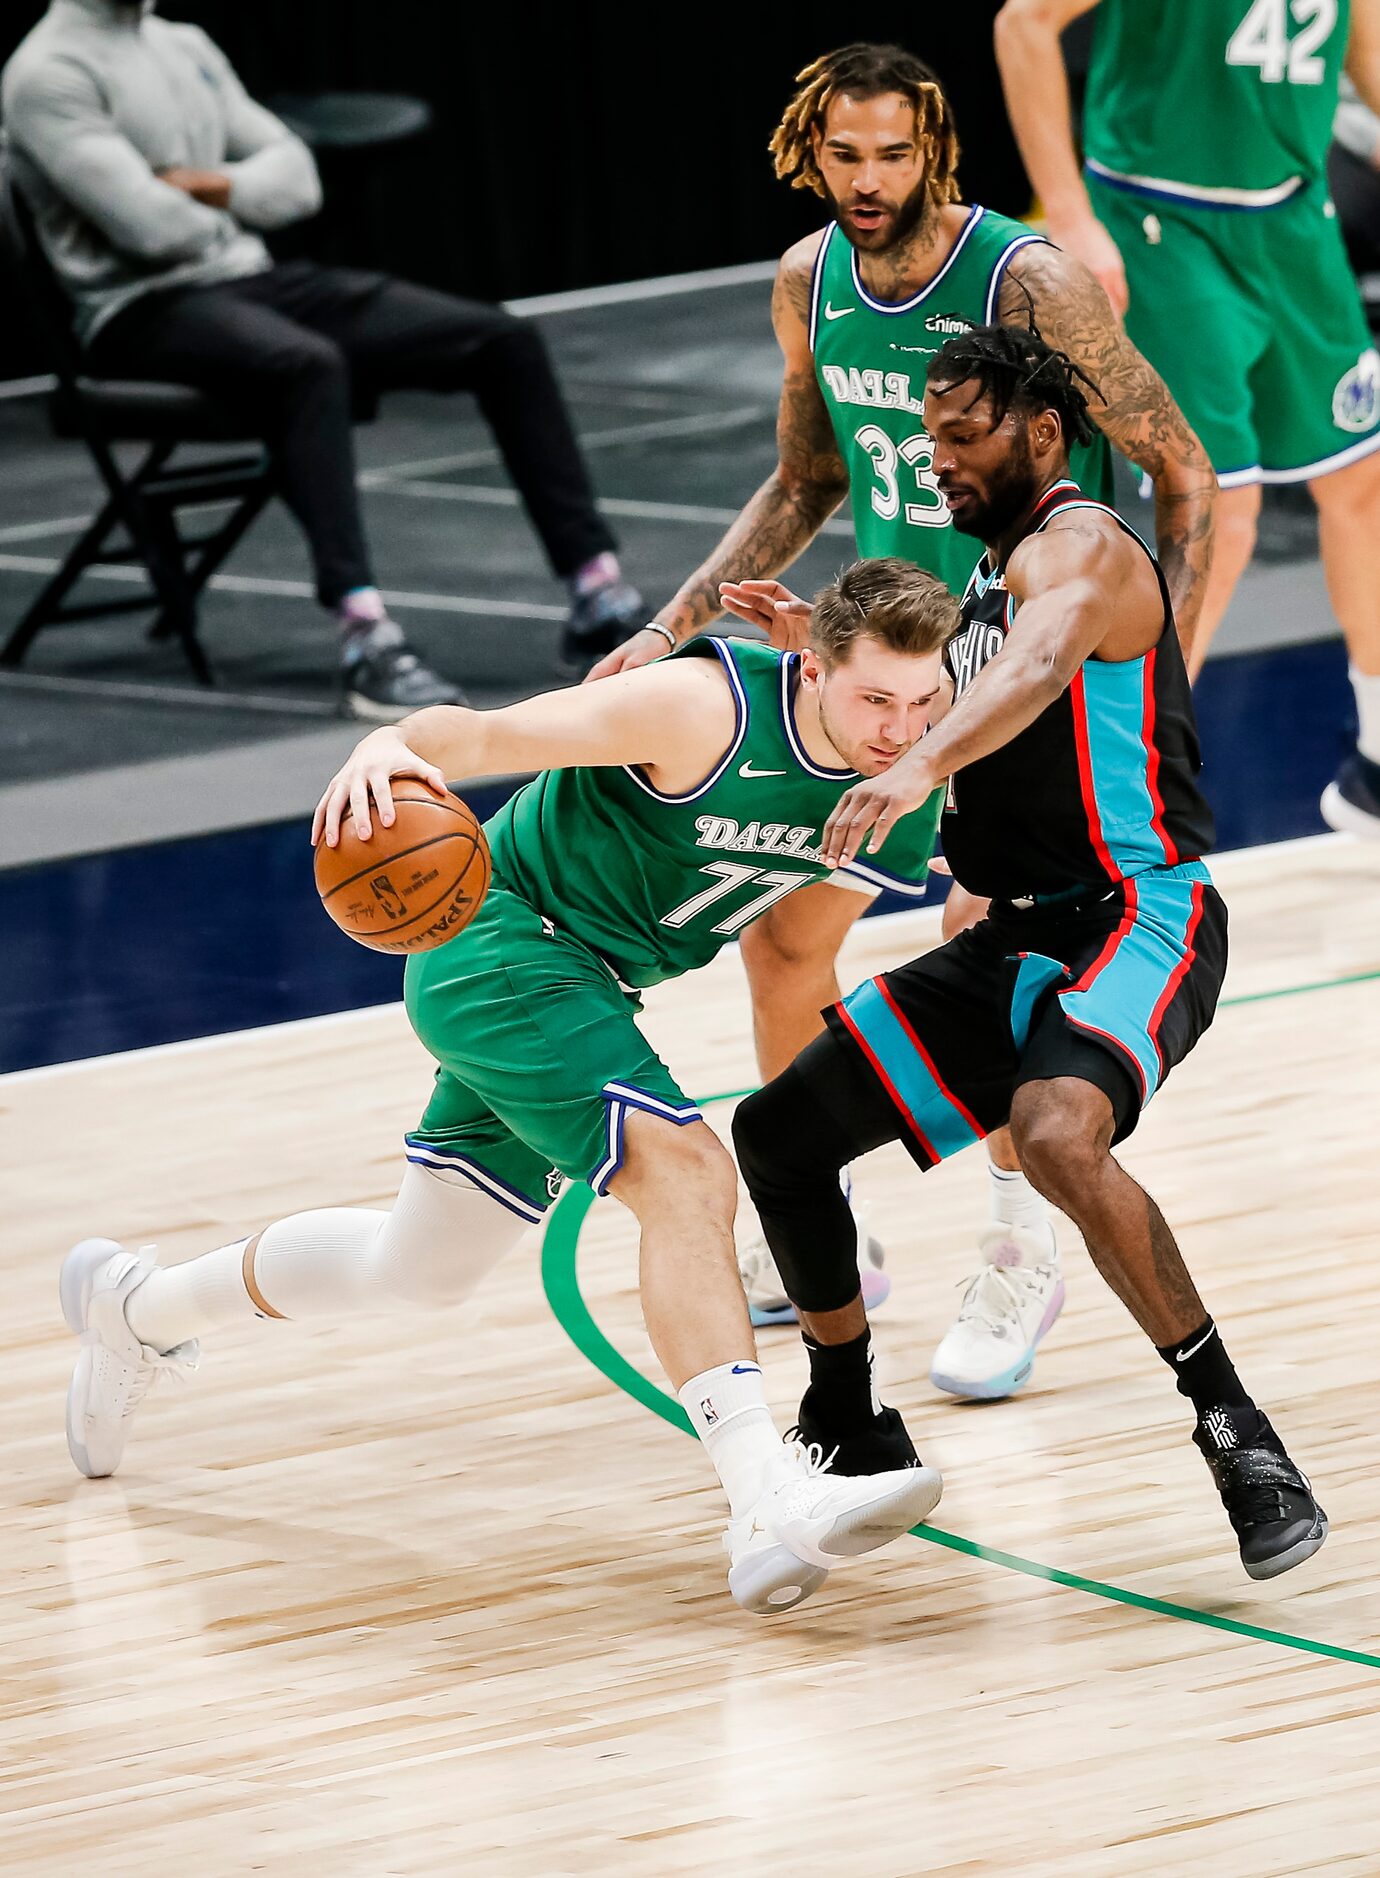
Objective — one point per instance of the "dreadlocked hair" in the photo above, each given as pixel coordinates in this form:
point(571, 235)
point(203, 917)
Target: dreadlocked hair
point(867, 71)
point(1018, 371)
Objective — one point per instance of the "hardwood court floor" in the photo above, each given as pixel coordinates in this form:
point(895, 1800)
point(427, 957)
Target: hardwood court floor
point(437, 1596)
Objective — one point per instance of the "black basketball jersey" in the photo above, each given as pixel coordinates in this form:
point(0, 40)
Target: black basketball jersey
point(1103, 784)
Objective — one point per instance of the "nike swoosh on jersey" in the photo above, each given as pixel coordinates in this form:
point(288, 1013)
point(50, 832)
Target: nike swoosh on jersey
point(746, 769)
point(837, 312)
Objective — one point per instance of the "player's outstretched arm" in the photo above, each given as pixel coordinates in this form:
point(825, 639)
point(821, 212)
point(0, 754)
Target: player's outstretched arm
point(1067, 584)
point(1136, 412)
point(674, 721)
point(787, 512)
point(1036, 87)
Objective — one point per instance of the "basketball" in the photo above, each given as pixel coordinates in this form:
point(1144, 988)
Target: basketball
point(410, 887)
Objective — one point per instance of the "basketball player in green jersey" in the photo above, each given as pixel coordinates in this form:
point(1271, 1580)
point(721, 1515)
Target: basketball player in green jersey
point(859, 309)
point(1203, 209)
point(675, 805)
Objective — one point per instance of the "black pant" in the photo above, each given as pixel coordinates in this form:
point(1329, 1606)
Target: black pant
point(298, 345)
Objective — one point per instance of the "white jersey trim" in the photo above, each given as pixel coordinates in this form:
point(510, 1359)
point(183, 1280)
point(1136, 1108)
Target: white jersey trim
point(817, 281)
point(1197, 192)
point(789, 665)
point(740, 705)
point(975, 215)
point(874, 880)
point(994, 285)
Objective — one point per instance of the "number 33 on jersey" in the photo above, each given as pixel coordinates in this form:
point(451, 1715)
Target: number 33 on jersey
point(871, 357)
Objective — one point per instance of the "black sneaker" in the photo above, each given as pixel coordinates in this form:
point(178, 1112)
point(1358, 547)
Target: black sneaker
point(598, 622)
point(1269, 1502)
point(1351, 801)
point(876, 1447)
point(384, 678)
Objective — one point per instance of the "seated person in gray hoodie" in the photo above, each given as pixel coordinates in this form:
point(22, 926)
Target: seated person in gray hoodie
point(151, 172)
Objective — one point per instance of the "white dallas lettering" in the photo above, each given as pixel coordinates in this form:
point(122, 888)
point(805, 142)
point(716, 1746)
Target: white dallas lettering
point(881, 391)
point(722, 832)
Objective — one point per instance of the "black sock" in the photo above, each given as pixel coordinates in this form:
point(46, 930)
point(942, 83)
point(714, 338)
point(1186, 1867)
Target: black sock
point(840, 1391)
point(1203, 1371)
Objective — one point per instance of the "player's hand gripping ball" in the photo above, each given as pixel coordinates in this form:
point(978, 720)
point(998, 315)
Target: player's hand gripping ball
point(410, 887)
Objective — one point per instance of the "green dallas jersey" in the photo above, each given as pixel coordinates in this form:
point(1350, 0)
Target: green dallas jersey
point(1227, 102)
point(657, 884)
point(871, 357)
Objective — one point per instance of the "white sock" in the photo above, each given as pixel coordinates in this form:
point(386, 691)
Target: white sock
point(728, 1410)
point(186, 1301)
point(1012, 1201)
point(441, 1237)
point(1367, 691)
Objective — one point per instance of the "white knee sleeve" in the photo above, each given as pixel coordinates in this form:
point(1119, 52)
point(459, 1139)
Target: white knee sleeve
point(442, 1236)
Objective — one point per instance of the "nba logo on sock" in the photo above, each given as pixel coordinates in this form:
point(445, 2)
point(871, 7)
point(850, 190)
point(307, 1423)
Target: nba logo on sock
point(708, 1410)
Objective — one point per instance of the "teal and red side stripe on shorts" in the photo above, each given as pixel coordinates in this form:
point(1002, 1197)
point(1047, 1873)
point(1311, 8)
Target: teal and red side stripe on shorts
point(938, 1119)
point(1123, 996)
point(1120, 1000)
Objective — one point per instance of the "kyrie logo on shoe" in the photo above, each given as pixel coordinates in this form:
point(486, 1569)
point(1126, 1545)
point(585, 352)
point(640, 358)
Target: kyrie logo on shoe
point(1217, 1425)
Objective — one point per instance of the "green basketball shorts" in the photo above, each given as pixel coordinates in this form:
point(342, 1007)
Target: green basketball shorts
point(1254, 320)
point(540, 1058)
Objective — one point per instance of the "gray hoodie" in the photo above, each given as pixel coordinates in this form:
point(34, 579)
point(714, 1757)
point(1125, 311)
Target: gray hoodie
point(97, 99)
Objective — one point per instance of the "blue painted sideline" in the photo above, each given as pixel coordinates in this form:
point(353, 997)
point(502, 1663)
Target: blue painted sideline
point(193, 938)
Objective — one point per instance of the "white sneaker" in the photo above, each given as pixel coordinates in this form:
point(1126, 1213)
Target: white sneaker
point(766, 1295)
point(1006, 1310)
point(806, 1520)
point(114, 1370)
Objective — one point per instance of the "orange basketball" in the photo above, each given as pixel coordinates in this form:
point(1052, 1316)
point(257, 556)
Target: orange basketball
point(412, 886)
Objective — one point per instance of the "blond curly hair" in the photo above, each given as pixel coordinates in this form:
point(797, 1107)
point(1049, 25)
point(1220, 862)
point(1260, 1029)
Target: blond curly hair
point(867, 71)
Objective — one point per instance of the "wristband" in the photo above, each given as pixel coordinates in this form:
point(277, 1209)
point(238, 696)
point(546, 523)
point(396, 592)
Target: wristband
point(655, 626)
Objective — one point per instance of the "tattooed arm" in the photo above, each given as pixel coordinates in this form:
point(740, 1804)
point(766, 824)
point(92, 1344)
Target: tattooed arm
point(1138, 416)
point(791, 506)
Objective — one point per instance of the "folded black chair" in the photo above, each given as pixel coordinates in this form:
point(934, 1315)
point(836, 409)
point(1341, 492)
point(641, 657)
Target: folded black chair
point(140, 521)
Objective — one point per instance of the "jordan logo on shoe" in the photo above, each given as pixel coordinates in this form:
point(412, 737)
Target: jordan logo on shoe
point(1217, 1425)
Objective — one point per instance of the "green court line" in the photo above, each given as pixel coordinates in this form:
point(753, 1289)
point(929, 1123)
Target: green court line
point(1298, 991)
point(561, 1282)
point(559, 1277)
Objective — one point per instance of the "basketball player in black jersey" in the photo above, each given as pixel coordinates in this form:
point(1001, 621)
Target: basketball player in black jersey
point(1072, 761)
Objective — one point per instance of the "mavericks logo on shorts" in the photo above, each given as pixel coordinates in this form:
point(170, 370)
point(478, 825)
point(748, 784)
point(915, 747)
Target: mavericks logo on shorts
point(1356, 401)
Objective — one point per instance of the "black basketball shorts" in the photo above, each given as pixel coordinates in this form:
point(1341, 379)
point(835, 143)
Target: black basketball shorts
point(1113, 988)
